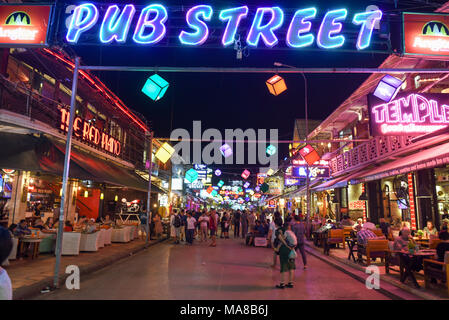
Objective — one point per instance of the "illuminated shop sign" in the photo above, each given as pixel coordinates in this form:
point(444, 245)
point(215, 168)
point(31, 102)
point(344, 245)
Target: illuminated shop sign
point(409, 114)
point(314, 172)
point(24, 25)
point(87, 132)
point(262, 26)
point(426, 34)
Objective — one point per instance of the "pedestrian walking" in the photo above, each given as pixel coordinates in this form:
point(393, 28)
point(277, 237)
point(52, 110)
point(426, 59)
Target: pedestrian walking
point(252, 220)
point(226, 223)
point(158, 229)
point(5, 250)
point(191, 224)
point(236, 221)
point(203, 221)
point(213, 223)
point(176, 223)
point(287, 254)
point(274, 225)
point(299, 229)
point(244, 223)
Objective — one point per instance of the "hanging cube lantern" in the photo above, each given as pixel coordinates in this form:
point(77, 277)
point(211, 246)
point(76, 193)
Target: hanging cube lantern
point(270, 172)
point(218, 172)
point(309, 154)
point(155, 87)
point(210, 189)
point(245, 174)
point(276, 85)
point(264, 187)
point(271, 150)
point(164, 152)
point(246, 185)
point(387, 88)
point(191, 175)
point(257, 188)
point(226, 150)
point(220, 183)
point(240, 189)
point(214, 193)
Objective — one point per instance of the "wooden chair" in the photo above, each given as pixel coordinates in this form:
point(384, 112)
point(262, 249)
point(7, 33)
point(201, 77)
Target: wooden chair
point(334, 236)
point(378, 232)
point(375, 249)
point(434, 269)
point(433, 243)
point(392, 258)
point(347, 232)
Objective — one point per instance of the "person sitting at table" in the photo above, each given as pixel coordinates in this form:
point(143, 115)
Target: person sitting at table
point(369, 225)
point(49, 224)
point(81, 223)
point(22, 229)
point(358, 225)
point(260, 229)
point(430, 230)
point(107, 220)
point(364, 234)
point(401, 242)
point(68, 226)
point(12, 229)
point(38, 224)
point(386, 228)
point(90, 227)
point(346, 221)
point(443, 246)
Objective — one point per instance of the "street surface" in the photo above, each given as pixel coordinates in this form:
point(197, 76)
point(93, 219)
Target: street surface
point(199, 272)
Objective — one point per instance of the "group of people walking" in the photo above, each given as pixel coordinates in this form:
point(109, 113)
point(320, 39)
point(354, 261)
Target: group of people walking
point(286, 236)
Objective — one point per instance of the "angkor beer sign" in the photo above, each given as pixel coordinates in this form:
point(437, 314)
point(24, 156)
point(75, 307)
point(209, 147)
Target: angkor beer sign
point(426, 34)
point(24, 25)
point(87, 132)
point(409, 114)
point(155, 24)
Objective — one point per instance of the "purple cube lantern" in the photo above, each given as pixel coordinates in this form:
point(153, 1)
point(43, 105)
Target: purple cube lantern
point(226, 150)
point(387, 88)
point(246, 185)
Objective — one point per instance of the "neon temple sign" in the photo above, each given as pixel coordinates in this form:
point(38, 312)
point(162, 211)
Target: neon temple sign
point(410, 114)
point(148, 26)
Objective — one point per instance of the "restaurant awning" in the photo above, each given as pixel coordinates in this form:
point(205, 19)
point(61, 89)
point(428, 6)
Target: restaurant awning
point(30, 153)
point(428, 158)
point(102, 170)
point(339, 182)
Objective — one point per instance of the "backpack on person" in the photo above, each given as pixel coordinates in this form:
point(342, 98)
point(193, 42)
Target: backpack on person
point(290, 238)
point(177, 222)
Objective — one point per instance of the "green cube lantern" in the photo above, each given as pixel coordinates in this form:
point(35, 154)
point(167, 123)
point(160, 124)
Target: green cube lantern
point(264, 187)
point(191, 175)
point(220, 183)
point(155, 87)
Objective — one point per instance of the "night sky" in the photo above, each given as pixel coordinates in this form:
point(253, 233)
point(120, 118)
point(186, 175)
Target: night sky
point(228, 101)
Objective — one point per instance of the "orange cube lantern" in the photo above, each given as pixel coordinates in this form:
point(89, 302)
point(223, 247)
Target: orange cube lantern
point(276, 85)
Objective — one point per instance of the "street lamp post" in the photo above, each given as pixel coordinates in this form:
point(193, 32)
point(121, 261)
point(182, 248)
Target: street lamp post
point(150, 169)
point(278, 64)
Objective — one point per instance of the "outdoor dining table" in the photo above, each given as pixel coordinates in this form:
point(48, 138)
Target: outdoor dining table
point(34, 243)
point(352, 242)
point(409, 261)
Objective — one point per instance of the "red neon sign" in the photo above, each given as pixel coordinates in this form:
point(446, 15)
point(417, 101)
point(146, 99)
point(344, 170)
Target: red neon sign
point(411, 114)
point(84, 130)
point(411, 199)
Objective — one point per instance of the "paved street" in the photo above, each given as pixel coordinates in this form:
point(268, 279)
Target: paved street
point(229, 271)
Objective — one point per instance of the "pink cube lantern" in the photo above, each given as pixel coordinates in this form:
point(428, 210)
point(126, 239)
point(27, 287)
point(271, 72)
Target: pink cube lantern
point(245, 174)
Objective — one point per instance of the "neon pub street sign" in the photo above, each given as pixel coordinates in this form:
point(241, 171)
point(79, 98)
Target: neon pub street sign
point(409, 114)
point(118, 24)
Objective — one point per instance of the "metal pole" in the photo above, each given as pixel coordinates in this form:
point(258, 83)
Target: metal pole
point(263, 70)
point(306, 107)
point(150, 169)
point(65, 176)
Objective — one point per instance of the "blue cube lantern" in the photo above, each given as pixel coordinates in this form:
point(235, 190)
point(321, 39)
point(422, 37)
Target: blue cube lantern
point(226, 150)
point(271, 150)
point(155, 87)
point(191, 175)
point(214, 193)
point(220, 183)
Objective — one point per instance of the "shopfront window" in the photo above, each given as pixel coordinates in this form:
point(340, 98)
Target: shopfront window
point(442, 189)
point(395, 199)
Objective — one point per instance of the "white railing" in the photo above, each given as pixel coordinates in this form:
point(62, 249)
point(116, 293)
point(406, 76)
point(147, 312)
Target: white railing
point(370, 151)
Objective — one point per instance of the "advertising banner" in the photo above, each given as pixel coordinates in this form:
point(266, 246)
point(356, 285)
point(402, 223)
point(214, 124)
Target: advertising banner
point(408, 114)
point(426, 34)
point(24, 25)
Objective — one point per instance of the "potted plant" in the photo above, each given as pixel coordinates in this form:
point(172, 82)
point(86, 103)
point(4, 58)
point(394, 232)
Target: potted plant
point(411, 246)
point(420, 234)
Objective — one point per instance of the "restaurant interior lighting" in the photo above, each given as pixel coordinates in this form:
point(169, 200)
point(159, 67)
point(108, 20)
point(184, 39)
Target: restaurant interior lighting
point(86, 194)
point(116, 198)
point(387, 88)
point(101, 196)
point(155, 87)
point(164, 152)
point(276, 85)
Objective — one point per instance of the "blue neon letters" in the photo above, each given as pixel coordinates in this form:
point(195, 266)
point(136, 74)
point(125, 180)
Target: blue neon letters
point(157, 24)
point(329, 27)
point(300, 25)
point(233, 16)
point(149, 25)
point(265, 31)
point(367, 20)
point(116, 28)
point(201, 31)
